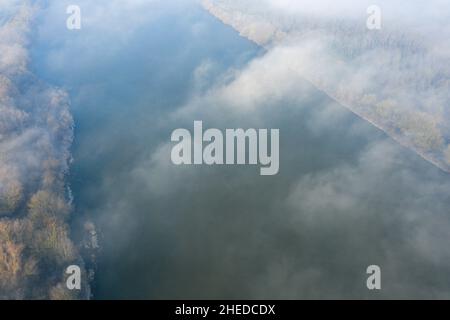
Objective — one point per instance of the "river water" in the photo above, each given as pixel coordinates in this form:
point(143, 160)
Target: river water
point(346, 196)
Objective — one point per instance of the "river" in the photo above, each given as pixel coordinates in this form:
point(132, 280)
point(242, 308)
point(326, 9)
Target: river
point(346, 197)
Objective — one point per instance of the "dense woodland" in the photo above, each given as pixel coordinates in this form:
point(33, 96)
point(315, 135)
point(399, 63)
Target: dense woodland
point(390, 77)
point(36, 131)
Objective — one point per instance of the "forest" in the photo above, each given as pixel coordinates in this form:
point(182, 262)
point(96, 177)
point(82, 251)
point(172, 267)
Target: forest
point(36, 132)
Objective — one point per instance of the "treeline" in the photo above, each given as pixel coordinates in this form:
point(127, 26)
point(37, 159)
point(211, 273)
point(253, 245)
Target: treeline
point(36, 131)
point(389, 77)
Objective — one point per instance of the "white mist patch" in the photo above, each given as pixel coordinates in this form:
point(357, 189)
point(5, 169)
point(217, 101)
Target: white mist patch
point(236, 146)
point(387, 62)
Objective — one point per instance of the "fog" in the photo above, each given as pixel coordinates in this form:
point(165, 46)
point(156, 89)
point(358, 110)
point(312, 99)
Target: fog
point(346, 196)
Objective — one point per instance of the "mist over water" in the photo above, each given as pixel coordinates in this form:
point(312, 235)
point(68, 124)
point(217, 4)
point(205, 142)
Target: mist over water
point(346, 196)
